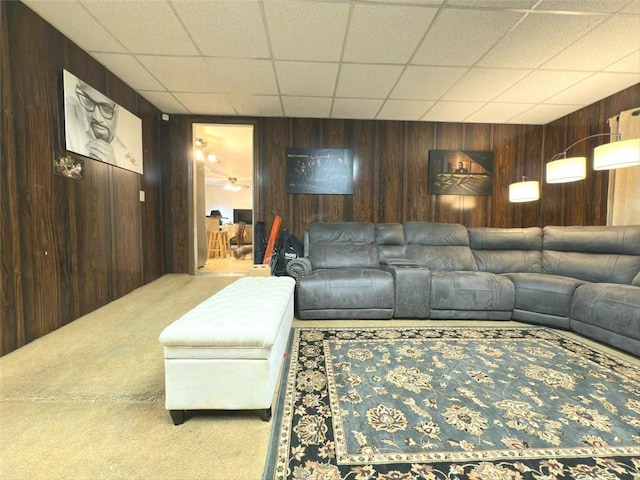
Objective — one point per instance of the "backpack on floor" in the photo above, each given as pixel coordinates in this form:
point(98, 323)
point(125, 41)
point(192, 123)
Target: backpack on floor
point(289, 247)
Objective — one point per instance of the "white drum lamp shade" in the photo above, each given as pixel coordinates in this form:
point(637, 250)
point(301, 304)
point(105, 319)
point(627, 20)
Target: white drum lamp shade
point(525, 191)
point(567, 170)
point(625, 153)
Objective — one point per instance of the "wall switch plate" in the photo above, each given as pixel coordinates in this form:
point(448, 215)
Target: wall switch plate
point(142, 195)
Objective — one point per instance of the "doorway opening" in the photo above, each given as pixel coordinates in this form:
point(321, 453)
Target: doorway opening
point(223, 198)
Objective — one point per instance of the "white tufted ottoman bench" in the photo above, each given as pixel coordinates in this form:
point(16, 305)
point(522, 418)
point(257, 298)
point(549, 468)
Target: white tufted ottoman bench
point(226, 353)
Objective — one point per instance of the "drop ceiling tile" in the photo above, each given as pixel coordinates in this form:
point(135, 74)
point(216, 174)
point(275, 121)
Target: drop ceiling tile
point(367, 81)
point(129, 70)
point(629, 64)
point(232, 35)
point(183, 74)
point(254, 77)
point(386, 33)
point(498, 112)
point(77, 24)
point(165, 102)
point(426, 83)
point(225, 28)
point(403, 110)
point(543, 114)
point(484, 84)
point(355, 108)
point(313, 79)
point(540, 85)
point(602, 6)
point(537, 39)
point(257, 105)
point(307, 107)
point(632, 7)
point(444, 45)
point(494, 3)
point(451, 111)
point(306, 30)
point(613, 40)
point(432, 3)
point(206, 103)
point(599, 85)
point(163, 32)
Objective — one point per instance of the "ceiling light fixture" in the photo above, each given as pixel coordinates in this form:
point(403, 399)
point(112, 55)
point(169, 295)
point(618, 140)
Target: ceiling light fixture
point(232, 186)
point(524, 191)
point(202, 154)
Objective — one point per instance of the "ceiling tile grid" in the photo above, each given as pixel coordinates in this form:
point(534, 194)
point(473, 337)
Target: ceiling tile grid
point(493, 61)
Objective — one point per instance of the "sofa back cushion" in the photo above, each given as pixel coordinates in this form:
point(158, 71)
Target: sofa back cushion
point(507, 250)
point(439, 246)
point(343, 245)
point(596, 254)
point(390, 240)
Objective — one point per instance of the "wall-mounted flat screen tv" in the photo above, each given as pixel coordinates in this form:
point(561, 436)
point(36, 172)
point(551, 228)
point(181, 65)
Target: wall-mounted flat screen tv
point(243, 215)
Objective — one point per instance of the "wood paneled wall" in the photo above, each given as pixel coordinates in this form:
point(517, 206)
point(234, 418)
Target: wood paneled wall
point(67, 247)
point(391, 172)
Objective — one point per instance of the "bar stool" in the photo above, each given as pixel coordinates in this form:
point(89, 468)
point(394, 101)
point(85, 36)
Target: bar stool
point(214, 244)
point(226, 243)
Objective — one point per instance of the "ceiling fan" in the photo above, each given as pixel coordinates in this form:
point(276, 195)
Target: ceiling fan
point(234, 186)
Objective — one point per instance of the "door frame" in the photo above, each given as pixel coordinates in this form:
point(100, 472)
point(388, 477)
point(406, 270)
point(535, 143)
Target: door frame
point(193, 191)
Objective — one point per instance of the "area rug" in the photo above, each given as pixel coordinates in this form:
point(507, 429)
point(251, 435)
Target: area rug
point(453, 403)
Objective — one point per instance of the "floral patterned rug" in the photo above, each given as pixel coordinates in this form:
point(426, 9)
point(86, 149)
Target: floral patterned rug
point(453, 403)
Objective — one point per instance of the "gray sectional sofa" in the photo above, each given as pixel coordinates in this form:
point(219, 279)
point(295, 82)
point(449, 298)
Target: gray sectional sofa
point(584, 279)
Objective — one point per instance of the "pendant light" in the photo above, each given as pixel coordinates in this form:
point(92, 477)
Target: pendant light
point(524, 191)
point(621, 154)
point(616, 154)
point(567, 170)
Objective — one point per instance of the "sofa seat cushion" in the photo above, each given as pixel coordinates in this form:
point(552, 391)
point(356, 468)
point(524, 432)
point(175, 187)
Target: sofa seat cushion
point(346, 288)
point(475, 291)
point(599, 304)
point(542, 293)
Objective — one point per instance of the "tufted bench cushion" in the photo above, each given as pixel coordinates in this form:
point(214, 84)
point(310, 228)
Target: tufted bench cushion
point(226, 352)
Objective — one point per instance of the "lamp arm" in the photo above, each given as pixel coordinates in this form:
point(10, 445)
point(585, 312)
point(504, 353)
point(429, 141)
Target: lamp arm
point(564, 152)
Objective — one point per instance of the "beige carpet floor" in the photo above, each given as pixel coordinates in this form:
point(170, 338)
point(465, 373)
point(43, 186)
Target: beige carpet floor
point(87, 401)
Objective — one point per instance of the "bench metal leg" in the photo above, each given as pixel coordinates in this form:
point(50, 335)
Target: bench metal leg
point(266, 414)
point(177, 416)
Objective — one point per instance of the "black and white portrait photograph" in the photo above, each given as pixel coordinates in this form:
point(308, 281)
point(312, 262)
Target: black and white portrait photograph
point(319, 170)
point(99, 128)
point(456, 172)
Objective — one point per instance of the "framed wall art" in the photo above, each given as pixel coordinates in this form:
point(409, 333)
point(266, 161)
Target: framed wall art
point(456, 172)
point(319, 170)
point(97, 127)
point(68, 165)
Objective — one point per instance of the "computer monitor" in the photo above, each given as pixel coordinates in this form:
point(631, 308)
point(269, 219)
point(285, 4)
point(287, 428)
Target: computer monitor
point(243, 215)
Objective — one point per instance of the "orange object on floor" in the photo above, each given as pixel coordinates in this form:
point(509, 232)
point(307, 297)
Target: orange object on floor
point(273, 236)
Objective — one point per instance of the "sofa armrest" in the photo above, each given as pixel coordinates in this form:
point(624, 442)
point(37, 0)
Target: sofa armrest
point(299, 268)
